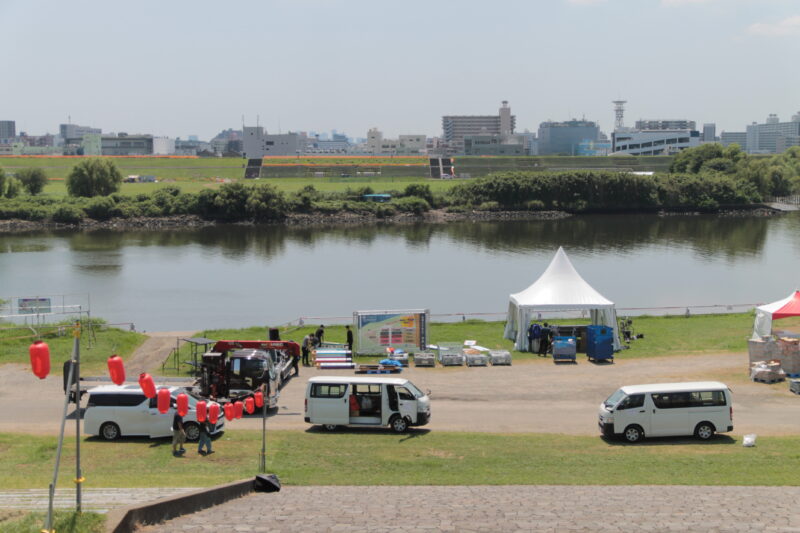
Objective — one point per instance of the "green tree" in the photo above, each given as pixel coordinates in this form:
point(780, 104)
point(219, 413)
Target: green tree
point(690, 160)
point(94, 177)
point(265, 202)
point(2, 182)
point(13, 187)
point(33, 180)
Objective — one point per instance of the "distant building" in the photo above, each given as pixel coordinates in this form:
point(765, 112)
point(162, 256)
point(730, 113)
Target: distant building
point(709, 133)
point(494, 145)
point(456, 127)
point(163, 146)
point(594, 148)
point(91, 144)
point(653, 142)
point(8, 130)
point(773, 136)
point(191, 146)
point(124, 144)
point(728, 138)
point(565, 137)
point(74, 131)
point(257, 143)
point(661, 124)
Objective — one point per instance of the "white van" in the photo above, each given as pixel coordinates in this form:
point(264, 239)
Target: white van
point(362, 401)
point(668, 409)
point(113, 411)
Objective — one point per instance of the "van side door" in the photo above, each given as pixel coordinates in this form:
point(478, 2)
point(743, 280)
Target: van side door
point(406, 403)
point(670, 416)
point(159, 425)
point(328, 403)
point(131, 414)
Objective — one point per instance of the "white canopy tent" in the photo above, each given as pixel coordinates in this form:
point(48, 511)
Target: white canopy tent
point(560, 288)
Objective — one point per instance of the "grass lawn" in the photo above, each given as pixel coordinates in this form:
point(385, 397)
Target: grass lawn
point(12, 521)
point(370, 457)
point(95, 348)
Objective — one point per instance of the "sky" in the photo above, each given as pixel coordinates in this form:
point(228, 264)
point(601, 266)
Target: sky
point(180, 68)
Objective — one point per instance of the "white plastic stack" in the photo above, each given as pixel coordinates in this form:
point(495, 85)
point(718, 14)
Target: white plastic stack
point(332, 358)
point(424, 359)
point(476, 357)
point(767, 371)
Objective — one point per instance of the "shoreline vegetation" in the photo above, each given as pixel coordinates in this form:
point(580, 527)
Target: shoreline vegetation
point(707, 179)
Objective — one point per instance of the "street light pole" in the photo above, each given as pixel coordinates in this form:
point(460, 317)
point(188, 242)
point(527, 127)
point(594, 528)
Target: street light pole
point(262, 464)
point(78, 477)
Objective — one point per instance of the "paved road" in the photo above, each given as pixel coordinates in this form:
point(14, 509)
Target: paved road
point(96, 500)
point(504, 508)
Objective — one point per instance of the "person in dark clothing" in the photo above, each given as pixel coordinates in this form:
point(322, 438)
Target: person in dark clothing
point(544, 339)
point(296, 362)
point(534, 333)
point(306, 347)
point(205, 438)
point(178, 435)
point(319, 333)
point(349, 339)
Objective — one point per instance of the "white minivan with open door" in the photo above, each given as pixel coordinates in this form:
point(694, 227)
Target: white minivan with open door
point(362, 401)
point(700, 408)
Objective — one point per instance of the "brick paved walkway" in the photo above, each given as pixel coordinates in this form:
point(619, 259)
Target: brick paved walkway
point(96, 500)
point(502, 509)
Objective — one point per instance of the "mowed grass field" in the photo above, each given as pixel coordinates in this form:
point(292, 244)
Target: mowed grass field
point(421, 457)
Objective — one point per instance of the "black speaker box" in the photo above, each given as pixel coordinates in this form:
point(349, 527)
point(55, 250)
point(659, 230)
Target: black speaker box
point(267, 483)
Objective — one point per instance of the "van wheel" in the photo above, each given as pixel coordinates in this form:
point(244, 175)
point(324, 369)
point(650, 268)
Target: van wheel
point(704, 430)
point(399, 424)
point(329, 427)
point(192, 431)
point(633, 434)
point(109, 431)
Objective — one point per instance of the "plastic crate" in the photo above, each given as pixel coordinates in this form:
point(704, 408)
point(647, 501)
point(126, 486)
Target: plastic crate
point(426, 359)
point(500, 357)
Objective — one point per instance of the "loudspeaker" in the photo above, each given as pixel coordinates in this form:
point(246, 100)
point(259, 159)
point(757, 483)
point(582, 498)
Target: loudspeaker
point(267, 483)
point(274, 334)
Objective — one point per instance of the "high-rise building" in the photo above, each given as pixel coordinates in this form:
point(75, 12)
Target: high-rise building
point(653, 142)
point(74, 131)
point(709, 133)
point(565, 137)
point(773, 136)
point(8, 129)
point(455, 127)
point(728, 138)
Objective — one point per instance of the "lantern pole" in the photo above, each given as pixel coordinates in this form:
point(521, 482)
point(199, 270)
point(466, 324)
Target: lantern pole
point(262, 464)
point(78, 477)
point(49, 523)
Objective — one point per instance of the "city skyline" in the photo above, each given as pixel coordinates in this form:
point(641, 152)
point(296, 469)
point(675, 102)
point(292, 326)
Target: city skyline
point(183, 68)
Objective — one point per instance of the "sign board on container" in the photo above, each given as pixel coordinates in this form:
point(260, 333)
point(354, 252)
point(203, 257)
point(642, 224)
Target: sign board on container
point(405, 329)
point(33, 306)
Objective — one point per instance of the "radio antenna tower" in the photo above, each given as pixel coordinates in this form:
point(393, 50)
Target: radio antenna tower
point(619, 114)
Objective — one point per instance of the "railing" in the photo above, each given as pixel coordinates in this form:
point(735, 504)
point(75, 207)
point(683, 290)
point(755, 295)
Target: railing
point(790, 200)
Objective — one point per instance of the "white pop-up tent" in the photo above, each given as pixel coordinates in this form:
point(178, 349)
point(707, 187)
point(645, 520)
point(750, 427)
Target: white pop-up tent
point(765, 314)
point(560, 288)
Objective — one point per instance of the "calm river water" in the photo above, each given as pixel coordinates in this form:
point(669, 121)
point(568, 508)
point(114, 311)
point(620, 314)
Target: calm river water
point(241, 276)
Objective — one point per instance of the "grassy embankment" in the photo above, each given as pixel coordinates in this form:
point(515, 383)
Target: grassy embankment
point(378, 457)
point(96, 345)
point(13, 521)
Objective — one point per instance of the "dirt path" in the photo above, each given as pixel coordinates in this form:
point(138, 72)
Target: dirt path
point(532, 396)
point(152, 353)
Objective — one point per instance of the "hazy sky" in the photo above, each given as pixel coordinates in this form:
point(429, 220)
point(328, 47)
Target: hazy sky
point(178, 68)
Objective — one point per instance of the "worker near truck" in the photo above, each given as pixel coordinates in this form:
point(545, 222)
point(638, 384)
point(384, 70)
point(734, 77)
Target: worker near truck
point(349, 339)
point(306, 346)
point(319, 333)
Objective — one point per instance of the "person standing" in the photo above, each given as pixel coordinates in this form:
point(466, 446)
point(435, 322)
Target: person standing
point(296, 362)
point(319, 333)
point(349, 339)
point(534, 333)
point(205, 438)
point(306, 346)
point(178, 435)
point(544, 339)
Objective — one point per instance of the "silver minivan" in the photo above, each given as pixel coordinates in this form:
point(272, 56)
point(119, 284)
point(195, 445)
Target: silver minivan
point(114, 411)
point(700, 408)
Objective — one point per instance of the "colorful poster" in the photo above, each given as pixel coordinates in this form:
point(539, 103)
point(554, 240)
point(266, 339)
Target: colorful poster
point(400, 329)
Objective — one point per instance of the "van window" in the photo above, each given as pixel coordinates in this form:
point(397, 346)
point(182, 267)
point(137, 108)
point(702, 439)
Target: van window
point(708, 398)
point(404, 394)
point(364, 388)
point(154, 402)
point(129, 400)
point(631, 402)
point(103, 400)
point(325, 390)
point(671, 400)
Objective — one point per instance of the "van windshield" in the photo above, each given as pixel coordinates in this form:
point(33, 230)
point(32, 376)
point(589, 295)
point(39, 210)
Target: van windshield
point(414, 390)
point(614, 399)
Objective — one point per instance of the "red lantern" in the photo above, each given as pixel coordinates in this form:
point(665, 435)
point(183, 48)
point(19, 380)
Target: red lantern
point(116, 369)
point(201, 411)
point(259, 396)
point(40, 359)
point(213, 413)
point(238, 409)
point(249, 405)
point(229, 414)
point(147, 385)
point(183, 404)
point(163, 400)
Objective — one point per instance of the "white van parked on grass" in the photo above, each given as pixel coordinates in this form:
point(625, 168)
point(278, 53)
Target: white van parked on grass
point(362, 401)
point(668, 409)
point(114, 411)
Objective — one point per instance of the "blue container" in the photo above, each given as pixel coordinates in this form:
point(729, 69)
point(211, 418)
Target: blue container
point(564, 348)
point(599, 343)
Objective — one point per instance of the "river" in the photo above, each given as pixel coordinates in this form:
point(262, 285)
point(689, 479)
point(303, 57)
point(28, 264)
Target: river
point(233, 276)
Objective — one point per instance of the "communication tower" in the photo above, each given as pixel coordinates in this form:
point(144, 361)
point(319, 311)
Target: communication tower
point(619, 114)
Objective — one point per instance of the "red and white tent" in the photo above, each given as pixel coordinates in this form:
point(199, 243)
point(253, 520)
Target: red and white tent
point(765, 314)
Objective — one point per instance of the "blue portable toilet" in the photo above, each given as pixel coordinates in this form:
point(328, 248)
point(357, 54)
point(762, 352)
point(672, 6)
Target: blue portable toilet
point(599, 343)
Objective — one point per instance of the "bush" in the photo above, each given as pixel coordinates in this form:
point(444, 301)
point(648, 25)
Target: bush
point(265, 202)
point(101, 208)
point(489, 206)
point(411, 204)
point(230, 202)
point(94, 177)
point(33, 179)
point(68, 214)
point(13, 187)
point(420, 190)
